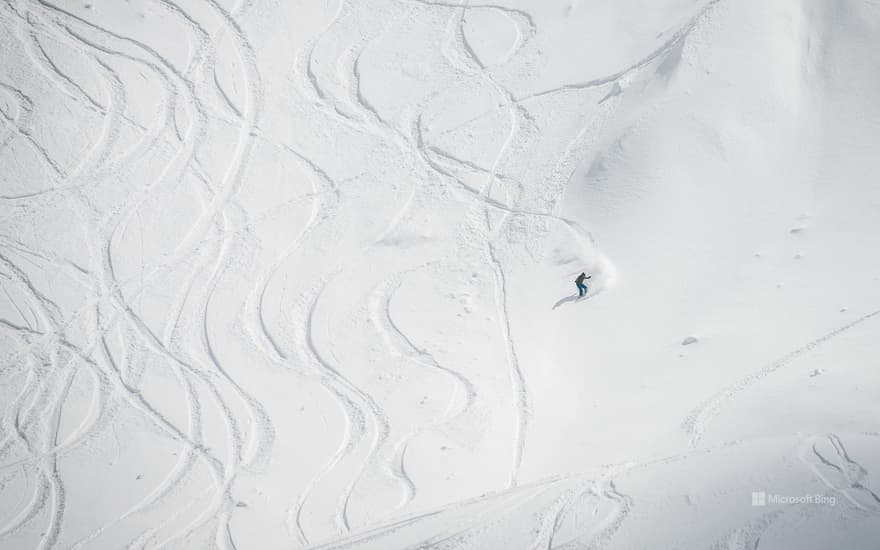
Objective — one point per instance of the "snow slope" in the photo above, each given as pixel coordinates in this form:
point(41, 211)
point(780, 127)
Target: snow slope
point(300, 274)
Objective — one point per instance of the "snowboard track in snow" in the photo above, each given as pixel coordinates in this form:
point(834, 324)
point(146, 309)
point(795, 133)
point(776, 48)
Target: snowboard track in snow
point(234, 298)
point(697, 421)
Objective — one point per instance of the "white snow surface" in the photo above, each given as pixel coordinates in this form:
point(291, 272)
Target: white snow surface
point(299, 274)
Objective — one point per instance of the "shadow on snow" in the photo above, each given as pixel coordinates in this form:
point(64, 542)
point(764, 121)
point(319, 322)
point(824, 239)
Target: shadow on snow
point(568, 299)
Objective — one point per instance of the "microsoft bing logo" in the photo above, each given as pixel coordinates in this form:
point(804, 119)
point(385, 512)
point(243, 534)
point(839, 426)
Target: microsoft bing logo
point(762, 498)
point(759, 498)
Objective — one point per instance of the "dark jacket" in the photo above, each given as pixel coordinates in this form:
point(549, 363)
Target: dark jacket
point(581, 277)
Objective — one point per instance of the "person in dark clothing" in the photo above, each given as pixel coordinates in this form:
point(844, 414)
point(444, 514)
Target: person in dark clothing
point(582, 288)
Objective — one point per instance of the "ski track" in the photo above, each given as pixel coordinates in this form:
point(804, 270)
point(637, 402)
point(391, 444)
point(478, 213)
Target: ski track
point(398, 343)
point(827, 457)
point(698, 420)
point(328, 74)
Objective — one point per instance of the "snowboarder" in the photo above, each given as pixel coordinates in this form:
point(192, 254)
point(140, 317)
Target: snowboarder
point(582, 288)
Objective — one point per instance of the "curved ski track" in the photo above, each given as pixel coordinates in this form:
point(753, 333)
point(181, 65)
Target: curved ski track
point(106, 368)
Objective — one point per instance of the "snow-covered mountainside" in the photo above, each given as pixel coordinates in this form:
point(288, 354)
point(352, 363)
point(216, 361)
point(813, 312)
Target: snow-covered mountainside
point(300, 274)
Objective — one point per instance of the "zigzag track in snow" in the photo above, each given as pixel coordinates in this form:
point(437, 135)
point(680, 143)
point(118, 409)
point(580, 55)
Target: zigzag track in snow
point(397, 342)
point(221, 428)
point(161, 67)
